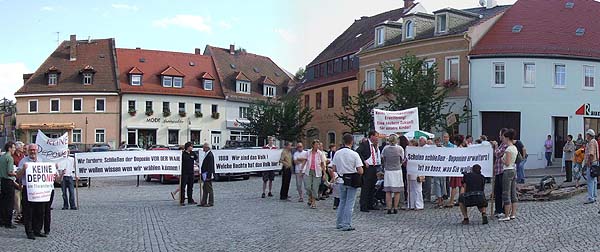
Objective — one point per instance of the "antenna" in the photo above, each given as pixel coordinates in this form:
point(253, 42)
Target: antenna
point(57, 38)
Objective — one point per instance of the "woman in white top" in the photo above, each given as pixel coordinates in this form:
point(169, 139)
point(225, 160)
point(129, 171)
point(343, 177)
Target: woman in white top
point(509, 190)
point(415, 186)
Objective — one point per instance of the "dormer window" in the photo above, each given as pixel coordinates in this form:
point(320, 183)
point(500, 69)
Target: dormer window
point(135, 80)
point(52, 79)
point(87, 74)
point(177, 82)
point(379, 36)
point(242, 87)
point(441, 23)
point(409, 33)
point(171, 77)
point(208, 84)
point(167, 81)
point(87, 78)
point(269, 91)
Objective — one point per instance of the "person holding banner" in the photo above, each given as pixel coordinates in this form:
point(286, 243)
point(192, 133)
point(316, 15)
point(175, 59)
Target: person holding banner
point(509, 190)
point(345, 163)
point(370, 154)
point(415, 192)
point(472, 194)
point(268, 176)
point(392, 159)
point(188, 159)
point(498, 174)
point(33, 212)
point(207, 170)
point(286, 171)
point(67, 170)
point(299, 158)
point(7, 189)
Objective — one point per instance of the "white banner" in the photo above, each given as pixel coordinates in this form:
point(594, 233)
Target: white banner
point(247, 160)
point(40, 181)
point(52, 149)
point(393, 122)
point(127, 163)
point(448, 162)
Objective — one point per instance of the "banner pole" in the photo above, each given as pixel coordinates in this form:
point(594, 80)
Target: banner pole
point(77, 190)
point(493, 198)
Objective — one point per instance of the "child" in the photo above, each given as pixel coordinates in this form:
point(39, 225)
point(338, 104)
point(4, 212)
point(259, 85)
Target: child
point(578, 159)
point(337, 182)
point(379, 193)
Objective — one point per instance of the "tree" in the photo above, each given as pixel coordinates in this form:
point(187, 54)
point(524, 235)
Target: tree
point(414, 84)
point(357, 112)
point(299, 74)
point(292, 118)
point(261, 119)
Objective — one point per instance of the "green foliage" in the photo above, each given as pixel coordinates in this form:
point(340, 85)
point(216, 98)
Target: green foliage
point(358, 111)
point(262, 119)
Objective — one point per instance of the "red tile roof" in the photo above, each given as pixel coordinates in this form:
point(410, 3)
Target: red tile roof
point(153, 63)
point(135, 70)
point(207, 76)
point(98, 53)
point(241, 76)
point(548, 29)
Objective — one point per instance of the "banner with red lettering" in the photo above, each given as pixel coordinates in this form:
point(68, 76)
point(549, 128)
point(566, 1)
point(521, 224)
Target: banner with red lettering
point(394, 122)
point(52, 149)
point(40, 181)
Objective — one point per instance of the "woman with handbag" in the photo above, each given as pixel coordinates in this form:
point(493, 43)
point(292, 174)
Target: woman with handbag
point(591, 159)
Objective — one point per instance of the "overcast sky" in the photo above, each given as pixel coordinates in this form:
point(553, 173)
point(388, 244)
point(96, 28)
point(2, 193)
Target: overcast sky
point(291, 32)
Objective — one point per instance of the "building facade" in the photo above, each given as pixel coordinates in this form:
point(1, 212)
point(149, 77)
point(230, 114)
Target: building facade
point(75, 91)
point(537, 86)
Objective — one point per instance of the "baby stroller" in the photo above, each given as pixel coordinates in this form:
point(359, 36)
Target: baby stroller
point(379, 194)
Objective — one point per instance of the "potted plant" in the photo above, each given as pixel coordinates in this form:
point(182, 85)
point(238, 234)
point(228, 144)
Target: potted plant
point(215, 115)
point(132, 112)
point(198, 114)
point(450, 83)
point(182, 113)
point(166, 113)
point(149, 112)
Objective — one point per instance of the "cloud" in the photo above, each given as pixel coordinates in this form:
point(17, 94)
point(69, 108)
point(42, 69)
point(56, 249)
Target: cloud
point(286, 35)
point(47, 8)
point(125, 7)
point(11, 77)
point(198, 23)
point(225, 25)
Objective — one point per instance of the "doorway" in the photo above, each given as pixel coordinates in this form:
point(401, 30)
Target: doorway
point(146, 138)
point(215, 137)
point(493, 122)
point(561, 130)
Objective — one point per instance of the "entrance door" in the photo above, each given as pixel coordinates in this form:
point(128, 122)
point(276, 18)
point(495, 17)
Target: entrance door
point(561, 129)
point(493, 122)
point(215, 137)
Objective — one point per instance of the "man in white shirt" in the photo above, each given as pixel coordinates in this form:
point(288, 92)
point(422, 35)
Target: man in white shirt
point(299, 159)
point(66, 168)
point(346, 161)
point(371, 156)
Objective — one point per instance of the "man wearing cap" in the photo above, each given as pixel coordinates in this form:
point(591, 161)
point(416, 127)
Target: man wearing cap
point(591, 158)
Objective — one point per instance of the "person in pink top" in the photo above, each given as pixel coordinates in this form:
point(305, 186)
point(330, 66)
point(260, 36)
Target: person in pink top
point(548, 147)
point(313, 173)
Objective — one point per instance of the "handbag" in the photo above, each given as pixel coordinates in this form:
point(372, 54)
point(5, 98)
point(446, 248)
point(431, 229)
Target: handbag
point(595, 168)
point(352, 180)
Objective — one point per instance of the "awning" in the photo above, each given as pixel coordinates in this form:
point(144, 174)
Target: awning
point(46, 126)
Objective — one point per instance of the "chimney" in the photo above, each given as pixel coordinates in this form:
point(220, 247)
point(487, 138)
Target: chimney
point(73, 47)
point(138, 48)
point(197, 51)
point(408, 3)
point(232, 49)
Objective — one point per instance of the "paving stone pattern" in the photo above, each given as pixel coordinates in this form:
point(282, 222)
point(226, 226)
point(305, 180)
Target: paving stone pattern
point(117, 216)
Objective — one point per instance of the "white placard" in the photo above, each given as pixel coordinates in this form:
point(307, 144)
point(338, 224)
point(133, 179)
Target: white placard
point(52, 149)
point(247, 160)
point(127, 163)
point(393, 122)
point(448, 162)
point(40, 181)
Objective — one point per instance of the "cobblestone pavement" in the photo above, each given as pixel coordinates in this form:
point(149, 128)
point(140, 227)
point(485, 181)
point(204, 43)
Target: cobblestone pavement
point(117, 216)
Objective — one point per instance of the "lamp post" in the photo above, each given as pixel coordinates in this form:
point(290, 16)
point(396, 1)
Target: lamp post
point(468, 108)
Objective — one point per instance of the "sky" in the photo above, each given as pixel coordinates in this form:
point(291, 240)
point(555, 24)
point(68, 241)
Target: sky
point(291, 32)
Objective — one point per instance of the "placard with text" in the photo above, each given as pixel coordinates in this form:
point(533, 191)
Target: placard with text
point(448, 162)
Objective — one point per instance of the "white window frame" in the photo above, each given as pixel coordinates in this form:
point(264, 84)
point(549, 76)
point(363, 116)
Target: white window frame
point(96, 105)
point(179, 107)
point(96, 135)
point(525, 83)
point(133, 81)
point(410, 29)
point(73, 105)
point(73, 135)
point(134, 105)
point(169, 137)
point(88, 78)
point(246, 90)
point(447, 68)
point(37, 106)
point(164, 80)
point(269, 90)
point(437, 23)
point(198, 110)
point(52, 79)
point(179, 81)
point(243, 112)
point(593, 76)
point(379, 36)
point(50, 108)
point(368, 85)
point(208, 84)
point(494, 64)
point(564, 74)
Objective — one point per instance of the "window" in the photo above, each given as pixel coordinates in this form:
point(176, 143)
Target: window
point(33, 106)
point(428, 64)
point(316, 71)
point(243, 87)
point(52, 79)
point(529, 74)
point(331, 137)
point(215, 108)
point(197, 108)
point(173, 136)
point(307, 101)
point(54, 105)
point(87, 78)
point(167, 81)
point(100, 135)
point(268, 90)
point(337, 65)
point(76, 136)
point(208, 84)
point(181, 107)
point(130, 105)
point(370, 81)
point(379, 36)
point(409, 29)
point(499, 74)
point(136, 80)
point(330, 98)
point(149, 106)
point(386, 76)
point(318, 101)
point(345, 96)
point(177, 82)
point(344, 63)
point(166, 107)
point(77, 104)
point(330, 67)
point(322, 67)
point(100, 104)
point(244, 112)
point(589, 73)
point(441, 23)
point(580, 31)
point(517, 28)
point(560, 72)
point(452, 71)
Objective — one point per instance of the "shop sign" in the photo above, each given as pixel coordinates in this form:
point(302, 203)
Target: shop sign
point(166, 121)
point(586, 110)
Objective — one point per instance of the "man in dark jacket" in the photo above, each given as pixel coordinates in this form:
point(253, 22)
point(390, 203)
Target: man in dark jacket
point(188, 159)
point(207, 170)
point(371, 156)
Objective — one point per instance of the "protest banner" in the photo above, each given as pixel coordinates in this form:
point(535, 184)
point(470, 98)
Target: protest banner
point(393, 122)
point(52, 149)
point(40, 181)
point(448, 162)
point(248, 160)
point(127, 163)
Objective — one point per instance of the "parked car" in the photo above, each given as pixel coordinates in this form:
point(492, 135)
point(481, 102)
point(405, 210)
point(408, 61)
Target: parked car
point(100, 147)
point(133, 149)
point(73, 148)
point(167, 178)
